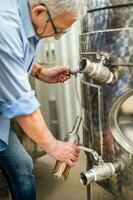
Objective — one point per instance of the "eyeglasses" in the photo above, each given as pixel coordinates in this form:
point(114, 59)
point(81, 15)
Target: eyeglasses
point(57, 33)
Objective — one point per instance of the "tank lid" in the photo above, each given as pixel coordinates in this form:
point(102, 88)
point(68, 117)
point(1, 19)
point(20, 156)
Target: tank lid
point(121, 121)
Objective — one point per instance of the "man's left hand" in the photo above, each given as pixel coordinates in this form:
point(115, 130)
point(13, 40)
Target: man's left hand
point(56, 74)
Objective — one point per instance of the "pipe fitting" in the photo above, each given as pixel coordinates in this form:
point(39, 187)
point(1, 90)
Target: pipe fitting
point(96, 71)
point(98, 173)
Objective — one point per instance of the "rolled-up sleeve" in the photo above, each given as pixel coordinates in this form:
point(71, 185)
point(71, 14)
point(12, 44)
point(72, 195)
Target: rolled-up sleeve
point(21, 106)
point(16, 96)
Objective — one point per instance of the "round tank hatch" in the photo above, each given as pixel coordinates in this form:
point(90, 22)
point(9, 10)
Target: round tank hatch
point(121, 121)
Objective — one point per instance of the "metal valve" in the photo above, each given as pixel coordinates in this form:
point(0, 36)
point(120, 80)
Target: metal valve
point(97, 71)
point(99, 172)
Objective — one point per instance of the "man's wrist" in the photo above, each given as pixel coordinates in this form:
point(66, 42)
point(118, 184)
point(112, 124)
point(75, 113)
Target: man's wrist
point(49, 145)
point(38, 72)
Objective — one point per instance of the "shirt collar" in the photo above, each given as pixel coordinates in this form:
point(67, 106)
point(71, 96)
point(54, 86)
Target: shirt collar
point(26, 19)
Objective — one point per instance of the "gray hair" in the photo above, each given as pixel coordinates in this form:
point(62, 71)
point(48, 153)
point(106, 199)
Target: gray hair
point(57, 7)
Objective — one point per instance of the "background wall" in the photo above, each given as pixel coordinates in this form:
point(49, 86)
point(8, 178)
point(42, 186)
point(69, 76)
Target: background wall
point(59, 103)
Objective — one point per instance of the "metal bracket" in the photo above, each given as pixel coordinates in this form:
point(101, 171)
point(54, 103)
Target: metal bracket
point(103, 58)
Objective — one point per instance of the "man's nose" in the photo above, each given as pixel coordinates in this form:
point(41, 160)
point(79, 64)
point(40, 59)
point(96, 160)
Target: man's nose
point(57, 37)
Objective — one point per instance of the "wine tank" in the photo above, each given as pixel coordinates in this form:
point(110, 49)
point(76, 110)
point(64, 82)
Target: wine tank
point(106, 43)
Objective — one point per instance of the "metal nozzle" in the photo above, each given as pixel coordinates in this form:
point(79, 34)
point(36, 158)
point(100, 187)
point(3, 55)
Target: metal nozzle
point(73, 72)
point(96, 71)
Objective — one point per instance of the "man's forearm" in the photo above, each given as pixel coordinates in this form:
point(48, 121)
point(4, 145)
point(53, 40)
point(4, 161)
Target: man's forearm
point(36, 128)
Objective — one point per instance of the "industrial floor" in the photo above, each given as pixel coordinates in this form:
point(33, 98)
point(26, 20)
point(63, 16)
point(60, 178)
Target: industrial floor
point(48, 188)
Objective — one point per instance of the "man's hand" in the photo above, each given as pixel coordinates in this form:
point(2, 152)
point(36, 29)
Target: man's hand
point(65, 151)
point(39, 132)
point(56, 74)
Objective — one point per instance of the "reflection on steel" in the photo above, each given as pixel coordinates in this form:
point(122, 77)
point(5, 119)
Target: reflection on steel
point(107, 30)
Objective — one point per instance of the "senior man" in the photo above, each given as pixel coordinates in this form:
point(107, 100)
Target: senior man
point(22, 24)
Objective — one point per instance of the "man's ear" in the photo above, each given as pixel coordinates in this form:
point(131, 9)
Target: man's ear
point(37, 12)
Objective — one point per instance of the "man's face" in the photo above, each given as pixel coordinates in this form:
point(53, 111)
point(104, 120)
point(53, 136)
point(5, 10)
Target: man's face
point(45, 26)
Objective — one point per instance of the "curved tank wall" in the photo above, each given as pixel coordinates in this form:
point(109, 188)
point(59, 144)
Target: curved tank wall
point(107, 31)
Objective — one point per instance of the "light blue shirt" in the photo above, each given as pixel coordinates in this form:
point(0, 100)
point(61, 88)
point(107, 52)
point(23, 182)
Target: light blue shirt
point(18, 44)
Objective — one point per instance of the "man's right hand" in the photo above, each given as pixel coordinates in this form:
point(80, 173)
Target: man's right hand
point(39, 132)
point(65, 151)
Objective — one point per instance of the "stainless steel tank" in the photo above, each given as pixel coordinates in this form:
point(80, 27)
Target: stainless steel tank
point(107, 42)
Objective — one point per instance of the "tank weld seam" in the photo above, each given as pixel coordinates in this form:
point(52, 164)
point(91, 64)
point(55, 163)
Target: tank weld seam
point(106, 30)
point(109, 7)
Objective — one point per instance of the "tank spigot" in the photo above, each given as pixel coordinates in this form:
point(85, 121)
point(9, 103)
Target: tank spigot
point(96, 71)
point(99, 172)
